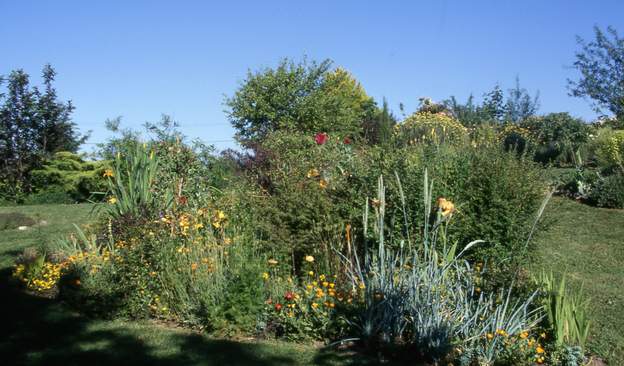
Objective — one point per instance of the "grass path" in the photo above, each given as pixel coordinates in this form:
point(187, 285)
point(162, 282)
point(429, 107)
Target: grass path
point(587, 244)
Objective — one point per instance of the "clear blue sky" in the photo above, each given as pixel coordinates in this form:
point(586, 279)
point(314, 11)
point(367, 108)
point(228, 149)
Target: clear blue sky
point(138, 59)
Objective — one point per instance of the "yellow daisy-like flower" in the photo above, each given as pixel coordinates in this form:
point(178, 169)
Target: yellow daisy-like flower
point(112, 200)
point(265, 276)
point(108, 173)
point(539, 349)
point(323, 183)
point(309, 258)
point(489, 336)
point(314, 305)
point(524, 335)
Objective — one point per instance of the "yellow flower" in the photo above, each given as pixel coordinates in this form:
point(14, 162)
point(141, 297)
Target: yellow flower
point(112, 200)
point(309, 258)
point(539, 349)
point(312, 173)
point(524, 335)
point(323, 183)
point(489, 336)
point(314, 305)
point(108, 173)
point(265, 276)
point(216, 224)
point(272, 262)
point(446, 207)
point(220, 215)
point(310, 273)
point(322, 277)
point(199, 226)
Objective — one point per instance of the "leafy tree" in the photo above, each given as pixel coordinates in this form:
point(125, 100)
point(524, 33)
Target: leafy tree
point(519, 105)
point(601, 64)
point(33, 126)
point(469, 113)
point(495, 108)
point(304, 97)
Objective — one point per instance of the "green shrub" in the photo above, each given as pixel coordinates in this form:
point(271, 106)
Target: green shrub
point(558, 137)
point(54, 195)
point(607, 148)
point(66, 178)
point(312, 192)
point(608, 191)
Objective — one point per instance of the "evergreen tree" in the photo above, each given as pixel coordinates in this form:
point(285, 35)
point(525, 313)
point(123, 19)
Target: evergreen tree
point(33, 126)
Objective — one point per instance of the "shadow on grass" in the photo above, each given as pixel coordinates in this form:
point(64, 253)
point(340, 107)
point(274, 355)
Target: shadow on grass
point(40, 331)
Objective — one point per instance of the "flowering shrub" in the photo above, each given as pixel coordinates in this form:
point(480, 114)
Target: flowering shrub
point(430, 128)
point(39, 275)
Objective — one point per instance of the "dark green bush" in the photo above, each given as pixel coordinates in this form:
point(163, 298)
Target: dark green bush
point(558, 136)
point(69, 173)
point(609, 192)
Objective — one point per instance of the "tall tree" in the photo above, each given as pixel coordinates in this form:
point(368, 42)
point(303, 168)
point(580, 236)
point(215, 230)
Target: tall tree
point(601, 64)
point(33, 126)
point(305, 97)
point(378, 128)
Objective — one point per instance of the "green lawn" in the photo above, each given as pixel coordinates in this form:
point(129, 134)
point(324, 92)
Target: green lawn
point(587, 244)
point(39, 331)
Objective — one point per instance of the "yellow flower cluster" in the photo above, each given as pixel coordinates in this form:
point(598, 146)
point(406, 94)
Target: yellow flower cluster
point(44, 279)
point(426, 127)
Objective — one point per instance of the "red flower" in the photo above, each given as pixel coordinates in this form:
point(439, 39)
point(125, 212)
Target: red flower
point(278, 307)
point(347, 141)
point(321, 138)
point(289, 296)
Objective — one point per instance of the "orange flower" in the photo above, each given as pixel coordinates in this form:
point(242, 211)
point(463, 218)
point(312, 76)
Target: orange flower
point(446, 207)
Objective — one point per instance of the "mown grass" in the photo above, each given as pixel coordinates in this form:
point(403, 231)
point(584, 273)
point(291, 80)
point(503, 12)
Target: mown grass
point(587, 244)
point(41, 331)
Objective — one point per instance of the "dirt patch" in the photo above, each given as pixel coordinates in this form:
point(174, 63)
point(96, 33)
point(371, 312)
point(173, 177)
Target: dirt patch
point(13, 220)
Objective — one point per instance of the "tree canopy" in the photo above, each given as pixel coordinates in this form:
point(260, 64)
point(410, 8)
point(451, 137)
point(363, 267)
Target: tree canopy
point(601, 64)
point(34, 125)
point(306, 97)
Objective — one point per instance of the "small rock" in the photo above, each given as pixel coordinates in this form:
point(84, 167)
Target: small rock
point(22, 228)
point(43, 223)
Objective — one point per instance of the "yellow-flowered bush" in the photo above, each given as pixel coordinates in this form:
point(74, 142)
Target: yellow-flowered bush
point(608, 147)
point(430, 128)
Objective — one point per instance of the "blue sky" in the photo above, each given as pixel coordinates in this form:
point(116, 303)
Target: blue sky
point(139, 59)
